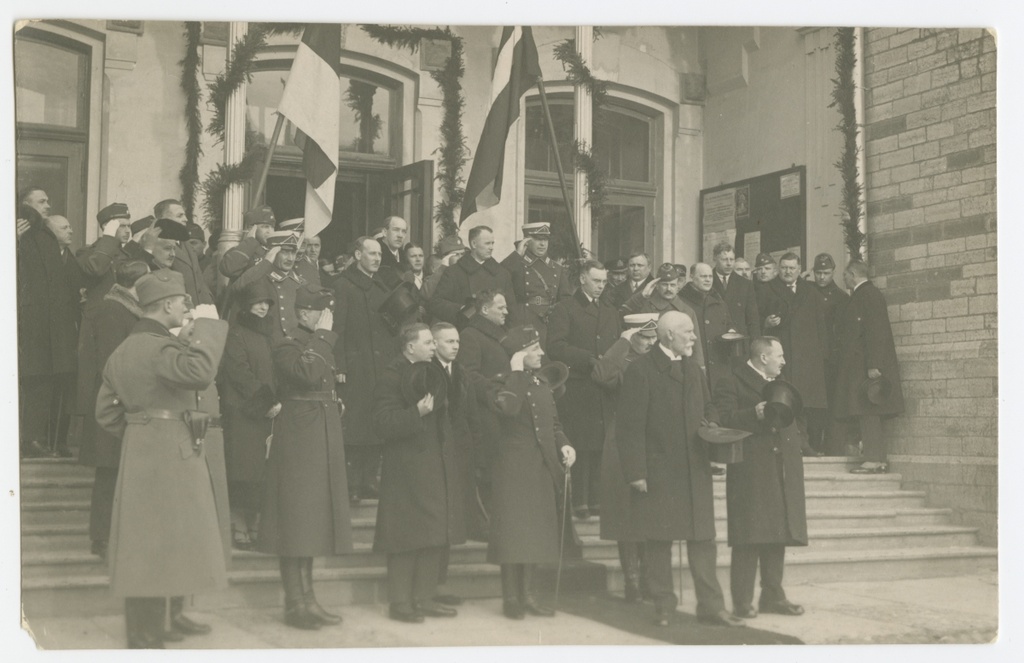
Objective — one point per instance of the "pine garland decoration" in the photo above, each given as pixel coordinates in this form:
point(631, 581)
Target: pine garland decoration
point(843, 93)
point(359, 97)
point(583, 160)
point(218, 180)
point(189, 173)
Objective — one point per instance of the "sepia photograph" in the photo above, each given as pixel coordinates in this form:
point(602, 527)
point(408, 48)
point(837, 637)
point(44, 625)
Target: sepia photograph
point(366, 335)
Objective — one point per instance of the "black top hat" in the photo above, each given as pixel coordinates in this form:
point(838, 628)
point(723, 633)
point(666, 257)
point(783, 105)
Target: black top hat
point(876, 390)
point(555, 373)
point(422, 378)
point(400, 304)
point(783, 403)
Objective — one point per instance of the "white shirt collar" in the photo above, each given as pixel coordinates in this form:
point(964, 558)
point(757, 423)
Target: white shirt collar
point(589, 298)
point(859, 285)
point(668, 353)
point(446, 365)
point(759, 371)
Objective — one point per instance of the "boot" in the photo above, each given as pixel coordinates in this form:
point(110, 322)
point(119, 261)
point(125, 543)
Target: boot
point(530, 604)
point(309, 597)
point(296, 614)
point(143, 619)
point(630, 561)
point(512, 607)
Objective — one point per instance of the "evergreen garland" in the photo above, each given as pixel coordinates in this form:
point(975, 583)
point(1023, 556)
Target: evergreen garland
point(189, 173)
point(224, 175)
point(843, 92)
point(359, 97)
point(583, 160)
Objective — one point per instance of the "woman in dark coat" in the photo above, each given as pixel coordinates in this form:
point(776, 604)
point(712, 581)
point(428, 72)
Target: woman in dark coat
point(113, 319)
point(528, 477)
point(249, 404)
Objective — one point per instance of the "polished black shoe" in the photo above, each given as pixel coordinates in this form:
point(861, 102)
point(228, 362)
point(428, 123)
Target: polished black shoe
point(531, 607)
point(448, 599)
point(513, 610)
point(324, 617)
point(432, 609)
point(745, 612)
point(783, 607)
point(405, 613)
point(186, 626)
point(36, 450)
point(662, 617)
point(720, 618)
point(300, 617)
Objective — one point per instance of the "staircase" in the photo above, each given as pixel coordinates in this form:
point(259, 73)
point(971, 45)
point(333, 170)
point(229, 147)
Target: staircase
point(860, 526)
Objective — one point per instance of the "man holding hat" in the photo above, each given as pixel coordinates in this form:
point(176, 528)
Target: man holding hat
point(638, 339)
point(277, 267)
point(868, 375)
point(765, 492)
point(305, 510)
point(713, 320)
point(738, 293)
point(420, 510)
point(661, 294)
point(165, 536)
point(539, 281)
point(258, 224)
point(173, 222)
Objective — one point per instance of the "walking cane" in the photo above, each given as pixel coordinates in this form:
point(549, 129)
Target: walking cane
point(679, 548)
point(561, 541)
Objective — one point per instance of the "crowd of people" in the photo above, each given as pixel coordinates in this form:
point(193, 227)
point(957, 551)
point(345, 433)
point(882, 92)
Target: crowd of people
point(248, 400)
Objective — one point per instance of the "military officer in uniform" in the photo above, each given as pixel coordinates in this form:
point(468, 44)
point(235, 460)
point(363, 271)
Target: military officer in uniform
point(258, 223)
point(539, 281)
point(278, 267)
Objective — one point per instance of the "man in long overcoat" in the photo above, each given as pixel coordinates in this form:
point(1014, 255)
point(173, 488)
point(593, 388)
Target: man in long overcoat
point(113, 320)
point(365, 348)
point(305, 505)
point(662, 403)
point(472, 273)
point(580, 331)
point(529, 476)
point(420, 511)
point(539, 281)
point(765, 492)
point(867, 350)
point(616, 525)
point(165, 534)
point(661, 294)
point(713, 320)
point(838, 433)
point(738, 293)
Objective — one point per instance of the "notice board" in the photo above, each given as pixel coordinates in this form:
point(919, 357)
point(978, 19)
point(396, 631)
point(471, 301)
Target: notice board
point(763, 214)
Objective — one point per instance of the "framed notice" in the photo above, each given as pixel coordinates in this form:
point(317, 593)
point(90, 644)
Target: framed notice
point(763, 214)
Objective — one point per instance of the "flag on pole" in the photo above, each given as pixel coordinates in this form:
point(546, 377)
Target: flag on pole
point(515, 71)
point(312, 102)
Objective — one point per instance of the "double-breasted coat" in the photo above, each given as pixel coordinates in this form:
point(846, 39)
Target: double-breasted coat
point(658, 304)
point(764, 493)
point(462, 280)
point(661, 405)
point(865, 341)
point(420, 489)
point(528, 477)
point(165, 538)
point(579, 333)
point(539, 284)
point(608, 372)
point(713, 320)
point(364, 349)
point(305, 490)
point(112, 321)
point(803, 335)
point(246, 381)
point(742, 303)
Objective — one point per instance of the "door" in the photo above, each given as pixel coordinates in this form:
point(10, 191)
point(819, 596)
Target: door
point(407, 192)
point(57, 167)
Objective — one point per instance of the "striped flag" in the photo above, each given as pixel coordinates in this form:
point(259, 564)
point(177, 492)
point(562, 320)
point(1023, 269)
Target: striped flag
point(312, 102)
point(515, 71)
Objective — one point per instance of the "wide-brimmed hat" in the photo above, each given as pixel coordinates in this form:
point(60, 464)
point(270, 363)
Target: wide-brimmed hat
point(422, 378)
point(725, 445)
point(399, 304)
point(783, 403)
point(876, 390)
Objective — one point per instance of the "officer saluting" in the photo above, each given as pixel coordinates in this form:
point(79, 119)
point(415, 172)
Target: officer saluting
point(277, 267)
point(539, 281)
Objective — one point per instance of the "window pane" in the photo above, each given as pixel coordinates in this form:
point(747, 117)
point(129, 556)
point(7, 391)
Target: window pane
point(622, 145)
point(50, 84)
point(364, 118)
point(619, 231)
point(539, 155)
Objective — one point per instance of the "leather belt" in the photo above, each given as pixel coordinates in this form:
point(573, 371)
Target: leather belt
point(537, 300)
point(144, 416)
point(329, 396)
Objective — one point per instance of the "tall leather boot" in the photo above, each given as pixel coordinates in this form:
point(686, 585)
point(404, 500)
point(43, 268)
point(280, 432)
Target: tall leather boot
point(530, 604)
point(630, 561)
point(512, 605)
point(309, 597)
point(295, 612)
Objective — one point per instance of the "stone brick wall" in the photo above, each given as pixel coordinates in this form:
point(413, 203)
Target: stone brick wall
point(930, 104)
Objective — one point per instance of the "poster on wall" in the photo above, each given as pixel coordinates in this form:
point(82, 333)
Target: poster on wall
point(767, 213)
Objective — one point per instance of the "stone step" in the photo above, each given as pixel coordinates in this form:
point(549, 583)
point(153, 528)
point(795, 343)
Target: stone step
point(75, 535)
point(90, 595)
point(53, 563)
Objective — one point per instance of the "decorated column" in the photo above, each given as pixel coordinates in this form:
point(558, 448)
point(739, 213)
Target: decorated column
point(583, 134)
point(234, 150)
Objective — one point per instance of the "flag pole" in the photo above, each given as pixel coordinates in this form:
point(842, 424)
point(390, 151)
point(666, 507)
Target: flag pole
point(266, 164)
point(558, 165)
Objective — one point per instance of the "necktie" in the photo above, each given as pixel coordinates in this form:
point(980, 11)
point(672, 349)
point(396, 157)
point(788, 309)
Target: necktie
point(448, 368)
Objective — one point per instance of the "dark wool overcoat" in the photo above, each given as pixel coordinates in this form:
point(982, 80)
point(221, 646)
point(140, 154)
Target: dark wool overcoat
point(247, 392)
point(661, 405)
point(113, 320)
point(528, 478)
point(713, 320)
point(579, 333)
point(865, 341)
point(463, 413)
point(164, 478)
point(464, 279)
point(365, 347)
point(803, 335)
point(835, 300)
point(742, 302)
point(305, 492)
point(764, 493)
point(482, 356)
point(420, 489)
